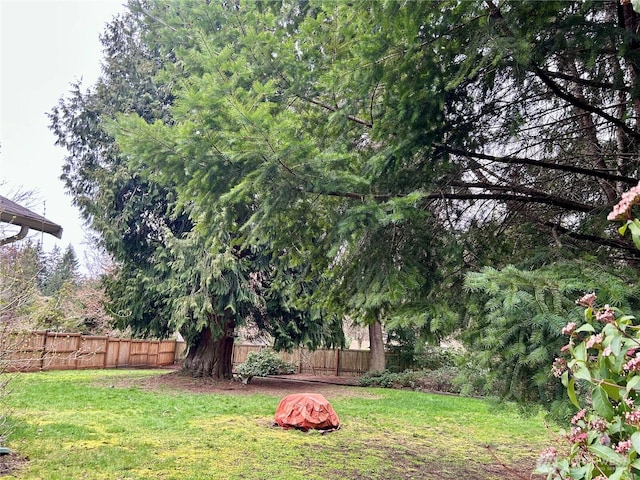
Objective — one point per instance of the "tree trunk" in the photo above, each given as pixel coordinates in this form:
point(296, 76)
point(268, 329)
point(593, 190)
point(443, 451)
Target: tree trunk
point(209, 356)
point(377, 362)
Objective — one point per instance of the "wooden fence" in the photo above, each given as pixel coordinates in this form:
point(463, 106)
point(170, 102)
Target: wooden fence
point(31, 351)
point(345, 363)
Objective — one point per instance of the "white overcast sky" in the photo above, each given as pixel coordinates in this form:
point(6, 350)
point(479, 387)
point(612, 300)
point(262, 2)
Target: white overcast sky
point(45, 45)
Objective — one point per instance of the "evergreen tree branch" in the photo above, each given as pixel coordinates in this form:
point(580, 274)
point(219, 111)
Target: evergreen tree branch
point(608, 242)
point(585, 82)
point(526, 193)
point(499, 193)
point(539, 163)
point(514, 197)
point(496, 14)
point(581, 104)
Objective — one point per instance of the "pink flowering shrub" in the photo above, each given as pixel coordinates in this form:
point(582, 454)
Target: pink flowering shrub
point(600, 368)
point(623, 212)
point(603, 440)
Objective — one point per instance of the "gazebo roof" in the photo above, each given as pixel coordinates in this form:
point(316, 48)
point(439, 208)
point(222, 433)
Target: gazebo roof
point(11, 212)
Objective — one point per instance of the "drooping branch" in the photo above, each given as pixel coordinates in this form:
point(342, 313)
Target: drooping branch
point(491, 192)
point(542, 164)
point(536, 196)
point(514, 197)
point(608, 242)
point(586, 82)
point(496, 14)
point(583, 105)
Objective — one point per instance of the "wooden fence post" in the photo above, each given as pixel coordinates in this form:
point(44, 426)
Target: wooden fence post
point(76, 353)
point(106, 352)
point(44, 349)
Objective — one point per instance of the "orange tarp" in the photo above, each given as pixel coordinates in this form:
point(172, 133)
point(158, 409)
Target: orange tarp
point(306, 411)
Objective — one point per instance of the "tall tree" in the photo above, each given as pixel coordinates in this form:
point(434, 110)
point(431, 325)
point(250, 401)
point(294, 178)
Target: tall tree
point(129, 212)
point(546, 93)
point(171, 273)
point(280, 137)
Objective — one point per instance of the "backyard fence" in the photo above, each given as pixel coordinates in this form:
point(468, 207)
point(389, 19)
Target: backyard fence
point(42, 350)
point(344, 363)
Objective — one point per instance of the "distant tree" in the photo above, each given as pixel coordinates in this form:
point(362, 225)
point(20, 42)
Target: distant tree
point(89, 310)
point(59, 270)
point(69, 265)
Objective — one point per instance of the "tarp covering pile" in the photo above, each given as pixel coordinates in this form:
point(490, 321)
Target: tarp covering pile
point(307, 411)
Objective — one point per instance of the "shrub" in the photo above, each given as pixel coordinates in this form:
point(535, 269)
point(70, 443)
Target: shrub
point(263, 363)
point(600, 369)
point(473, 380)
point(434, 358)
point(438, 380)
point(377, 379)
point(601, 358)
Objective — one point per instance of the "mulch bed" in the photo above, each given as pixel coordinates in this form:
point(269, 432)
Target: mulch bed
point(278, 385)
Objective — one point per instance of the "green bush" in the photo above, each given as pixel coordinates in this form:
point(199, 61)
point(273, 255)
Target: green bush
point(438, 380)
point(384, 379)
point(401, 358)
point(434, 358)
point(263, 363)
point(472, 380)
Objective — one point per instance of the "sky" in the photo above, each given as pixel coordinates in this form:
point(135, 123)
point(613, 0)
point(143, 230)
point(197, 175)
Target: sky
point(45, 46)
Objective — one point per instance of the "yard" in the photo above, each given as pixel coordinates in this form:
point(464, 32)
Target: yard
point(156, 424)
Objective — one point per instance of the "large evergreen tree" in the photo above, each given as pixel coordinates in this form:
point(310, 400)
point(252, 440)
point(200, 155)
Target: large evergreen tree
point(174, 270)
point(281, 123)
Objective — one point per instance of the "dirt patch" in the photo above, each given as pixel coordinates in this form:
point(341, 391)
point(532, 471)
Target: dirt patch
point(276, 386)
point(10, 464)
point(411, 462)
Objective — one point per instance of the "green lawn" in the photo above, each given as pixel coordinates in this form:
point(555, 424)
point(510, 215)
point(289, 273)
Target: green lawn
point(85, 425)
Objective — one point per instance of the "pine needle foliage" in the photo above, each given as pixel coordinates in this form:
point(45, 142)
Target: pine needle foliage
point(516, 317)
point(210, 283)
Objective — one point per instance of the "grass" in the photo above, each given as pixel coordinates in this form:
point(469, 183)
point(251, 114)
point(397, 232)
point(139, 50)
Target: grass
point(78, 425)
